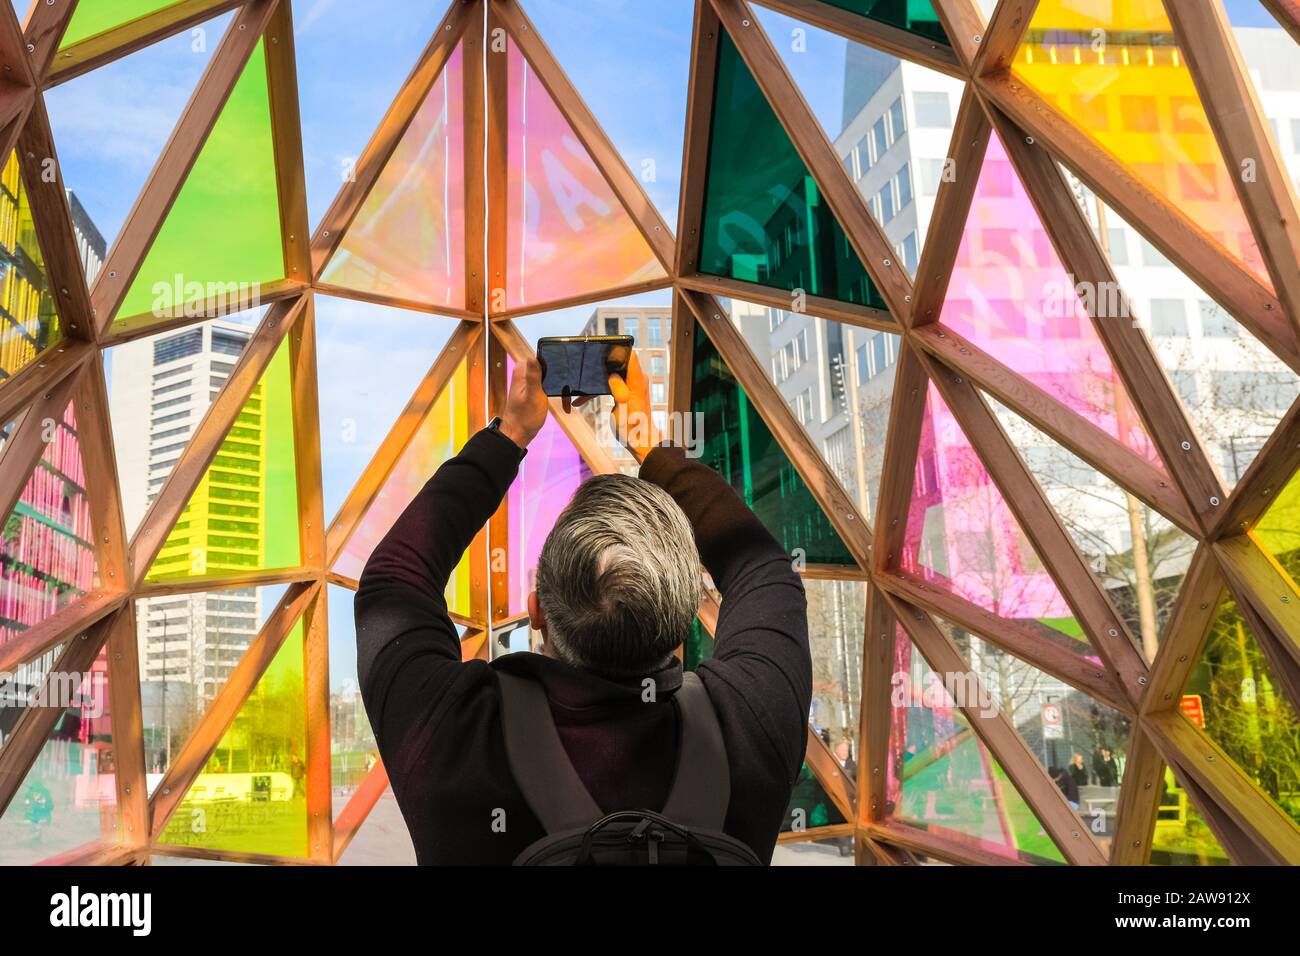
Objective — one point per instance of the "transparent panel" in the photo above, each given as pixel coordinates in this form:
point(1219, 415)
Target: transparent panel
point(354, 344)
point(838, 380)
point(28, 323)
point(1233, 389)
point(735, 442)
point(159, 388)
point(1236, 699)
point(99, 16)
point(383, 839)
point(1080, 742)
point(962, 536)
point(836, 618)
point(407, 240)
point(189, 644)
point(642, 47)
point(1270, 55)
point(353, 750)
point(21, 689)
point(221, 238)
point(1137, 555)
point(567, 234)
point(1011, 296)
point(440, 436)
point(890, 120)
point(251, 795)
point(548, 477)
point(765, 220)
point(69, 796)
point(943, 779)
point(1132, 93)
point(243, 516)
point(110, 126)
point(47, 556)
point(914, 16)
point(1182, 837)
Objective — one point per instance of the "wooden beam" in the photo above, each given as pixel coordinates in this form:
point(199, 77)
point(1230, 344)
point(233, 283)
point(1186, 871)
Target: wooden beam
point(95, 51)
point(358, 807)
point(876, 712)
point(828, 772)
point(902, 441)
point(316, 686)
point(1287, 13)
point(26, 446)
point(1255, 574)
point(695, 144)
point(793, 438)
point(1139, 801)
point(99, 464)
point(15, 63)
point(147, 324)
point(1266, 477)
point(963, 22)
point(847, 313)
point(1097, 447)
point(128, 728)
point(286, 135)
point(304, 380)
point(1005, 32)
point(70, 621)
point(211, 432)
point(1194, 611)
point(949, 846)
point(177, 159)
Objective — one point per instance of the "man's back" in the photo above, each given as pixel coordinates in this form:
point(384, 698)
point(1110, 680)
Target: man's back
point(438, 720)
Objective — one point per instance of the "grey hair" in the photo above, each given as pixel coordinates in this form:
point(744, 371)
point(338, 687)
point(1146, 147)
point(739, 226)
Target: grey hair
point(618, 578)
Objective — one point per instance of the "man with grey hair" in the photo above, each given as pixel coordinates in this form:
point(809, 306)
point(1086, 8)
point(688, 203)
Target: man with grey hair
point(618, 584)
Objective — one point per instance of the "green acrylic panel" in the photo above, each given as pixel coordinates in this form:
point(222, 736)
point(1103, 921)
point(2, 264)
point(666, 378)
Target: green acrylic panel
point(251, 795)
point(1278, 531)
point(1243, 707)
point(93, 17)
point(738, 445)
point(914, 16)
point(765, 220)
point(1181, 836)
point(243, 516)
point(221, 239)
point(810, 806)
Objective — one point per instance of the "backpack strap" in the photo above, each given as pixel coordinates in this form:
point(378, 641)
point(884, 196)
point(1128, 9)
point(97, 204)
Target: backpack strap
point(541, 767)
point(701, 788)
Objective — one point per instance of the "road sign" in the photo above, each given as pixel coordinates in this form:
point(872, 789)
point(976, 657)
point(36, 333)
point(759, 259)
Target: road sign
point(1191, 707)
point(1053, 722)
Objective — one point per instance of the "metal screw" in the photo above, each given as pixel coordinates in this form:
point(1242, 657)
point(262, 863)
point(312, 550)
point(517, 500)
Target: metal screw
point(1029, 140)
point(1214, 500)
point(1186, 446)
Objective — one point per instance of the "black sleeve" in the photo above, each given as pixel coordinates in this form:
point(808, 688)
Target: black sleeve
point(761, 644)
point(408, 652)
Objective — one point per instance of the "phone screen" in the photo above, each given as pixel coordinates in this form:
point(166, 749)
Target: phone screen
point(582, 364)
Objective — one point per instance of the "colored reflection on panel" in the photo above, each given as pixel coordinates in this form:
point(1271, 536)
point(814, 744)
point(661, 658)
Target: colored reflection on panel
point(97, 16)
point(1181, 836)
point(1136, 554)
point(737, 444)
point(46, 553)
point(69, 796)
point(28, 323)
point(836, 617)
point(406, 239)
point(548, 476)
point(1083, 752)
point(914, 16)
point(440, 436)
point(1278, 531)
point(942, 778)
point(765, 219)
point(566, 233)
point(251, 795)
point(221, 238)
point(962, 536)
point(243, 516)
point(1010, 295)
point(1236, 699)
point(1114, 69)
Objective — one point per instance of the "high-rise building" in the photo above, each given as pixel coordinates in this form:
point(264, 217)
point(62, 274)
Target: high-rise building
point(651, 331)
point(161, 388)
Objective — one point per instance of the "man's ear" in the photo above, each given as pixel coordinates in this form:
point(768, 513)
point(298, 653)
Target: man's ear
point(536, 617)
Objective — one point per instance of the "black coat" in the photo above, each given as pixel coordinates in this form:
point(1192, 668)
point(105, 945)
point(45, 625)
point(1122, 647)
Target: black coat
point(438, 720)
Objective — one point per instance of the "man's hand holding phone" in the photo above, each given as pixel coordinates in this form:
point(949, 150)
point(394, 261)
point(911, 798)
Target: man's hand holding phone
point(630, 415)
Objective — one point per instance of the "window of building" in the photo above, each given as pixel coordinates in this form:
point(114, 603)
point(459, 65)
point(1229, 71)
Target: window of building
point(887, 202)
point(656, 365)
point(178, 346)
point(933, 110)
point(1151, 256)
point(1117, 244)
point(909, 252)
point(658, 393)
point(630, 328)
point(611, 325)
point(904, 186)
point(1168, 318)
point(653, 332)
point(931, 176)
point(228, 343)
point(879, 144)
point(897, 124)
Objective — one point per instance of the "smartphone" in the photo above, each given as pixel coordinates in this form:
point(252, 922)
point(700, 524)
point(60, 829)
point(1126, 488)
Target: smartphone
point(582, 364)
